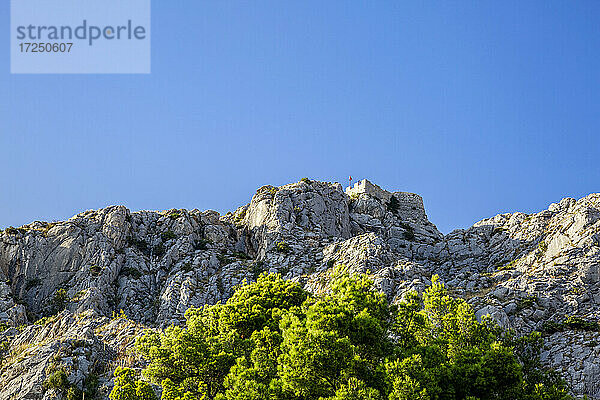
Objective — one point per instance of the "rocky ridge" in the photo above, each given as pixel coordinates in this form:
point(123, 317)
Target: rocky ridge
point(530, 272)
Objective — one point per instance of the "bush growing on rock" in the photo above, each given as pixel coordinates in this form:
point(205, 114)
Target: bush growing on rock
point(95, 270)
point(282, 247)
point(571, 323)
point(127, 388)
point(201, 244)
point(59, 301)
point(409, 231)
point(31, 283)
point(274, 340)
point(239, 217)
point(159, 250)
point(57, 380)
point(14, 231)
point(175, 215)
point(168, 235)
point(393, 205)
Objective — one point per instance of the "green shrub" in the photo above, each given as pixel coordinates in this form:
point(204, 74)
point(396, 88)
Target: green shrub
point(576, 290)
point(498, 230)
point(239, 217)
point(159, 250)
point(128, 388)
point(273, 340)
point(571, 323)
point(46, 229)
point(31, 283)
point(139, 244)
point(306, 180)
point(223, 259)
point(175, 215)
point(74, 393)
point(393, 205)
point(241, 254)
point(95, 270)
point(256, 269)
point(506, 267)
point(282, 247)
point(59, 300)
point(201, 244)
point(11, 230)
point(4, 346)
point(57, 380)
point(45, 320)
point(79, 295)
point(527, 302)
point(168, 235)
point(552, 327)
point(119, 315)
point(409, 231)
point(131, 272)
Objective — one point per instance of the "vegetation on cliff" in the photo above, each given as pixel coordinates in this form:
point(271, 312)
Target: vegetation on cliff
point(274, 340)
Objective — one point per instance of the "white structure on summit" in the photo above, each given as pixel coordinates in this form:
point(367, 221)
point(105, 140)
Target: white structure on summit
point(411, 204)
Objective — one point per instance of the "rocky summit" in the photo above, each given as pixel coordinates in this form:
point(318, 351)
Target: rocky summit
point(75, 294)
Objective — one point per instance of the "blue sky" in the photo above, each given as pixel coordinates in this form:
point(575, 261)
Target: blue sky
point(480, 107)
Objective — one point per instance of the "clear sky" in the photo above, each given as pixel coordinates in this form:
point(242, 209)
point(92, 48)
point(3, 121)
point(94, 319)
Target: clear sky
point(481, 107)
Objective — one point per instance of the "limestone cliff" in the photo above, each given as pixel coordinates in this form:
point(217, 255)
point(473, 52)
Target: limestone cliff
point(527, 271)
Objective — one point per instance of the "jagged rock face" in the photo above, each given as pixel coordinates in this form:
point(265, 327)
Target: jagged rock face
point(320, 209)
point(84, 346)
point(524, 270)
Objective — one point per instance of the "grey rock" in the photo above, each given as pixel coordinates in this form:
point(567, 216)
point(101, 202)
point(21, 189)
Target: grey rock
point(521, 269)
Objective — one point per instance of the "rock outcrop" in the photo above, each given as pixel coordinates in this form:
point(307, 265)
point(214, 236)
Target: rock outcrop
point(529, 272)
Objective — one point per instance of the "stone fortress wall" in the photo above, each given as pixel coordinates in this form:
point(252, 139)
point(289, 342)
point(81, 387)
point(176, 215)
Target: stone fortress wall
point(411, 204)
